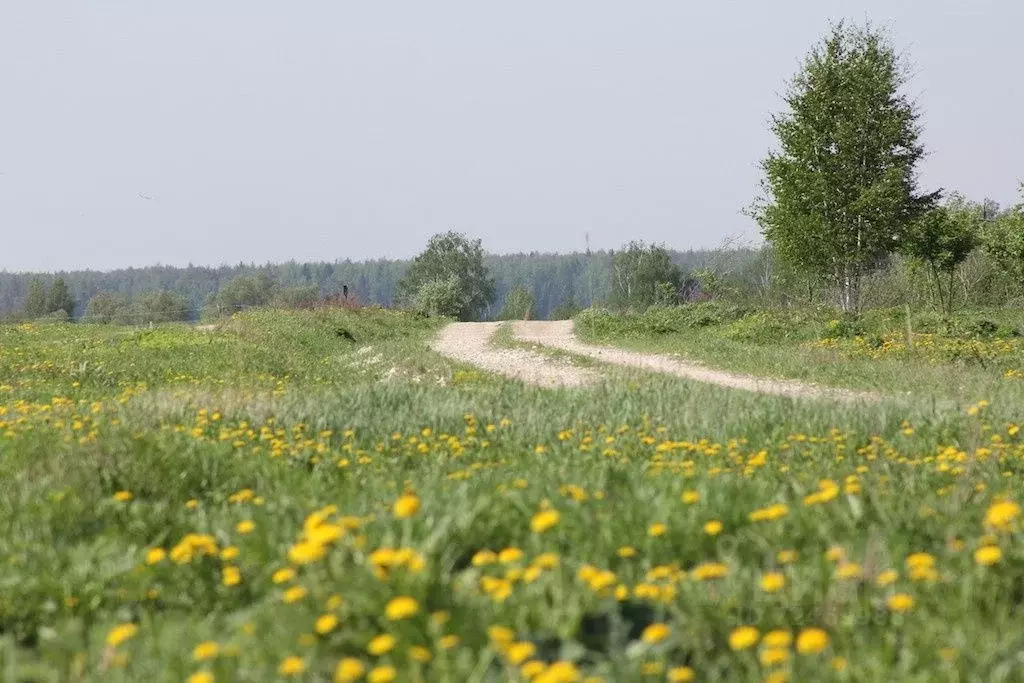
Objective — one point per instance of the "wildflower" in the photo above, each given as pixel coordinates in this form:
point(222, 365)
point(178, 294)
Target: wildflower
point(709, 570)
point(517, 653)
point(246, 526)
point(811, 641)
point(448, 642)
point(121, 633)
point(546, 561)
point(886, 577)
point(987, 555)
point(1001, 515)
point(294, 594)
point(531, 669)
point(690, 497)
point(155, 555)
point(838, 664)
point(681, 674)
point(713, 528)
point(229, 553)
point(835, 553)
point(381, 644)
point(900, 602)
point(770, 513)
point(283, 575)
point(848, 570)
point(510, 555)
point(743, 637)
point(543, 520)
point(406, 506)
point(500, 635)
point(401, 608)
point(655, 633)
point(231, 576)
point(200, 677)
point(483, 558)
point(305, 552)
point(626, 552)
point(205, 650)
point(348, 670)
point(657, 529)
point(777, 638)
point(772, 582)
point(382, 674)
point(123, 496)
point(291, 666)
point(325, 623)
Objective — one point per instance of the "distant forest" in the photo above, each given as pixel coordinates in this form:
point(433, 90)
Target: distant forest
point(579, 279)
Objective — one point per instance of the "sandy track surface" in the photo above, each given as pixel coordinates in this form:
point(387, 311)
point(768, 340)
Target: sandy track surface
point(470, 343)
point(559, 335)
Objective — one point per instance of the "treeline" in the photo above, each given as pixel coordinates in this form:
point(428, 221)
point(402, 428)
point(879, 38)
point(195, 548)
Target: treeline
point(142, 295)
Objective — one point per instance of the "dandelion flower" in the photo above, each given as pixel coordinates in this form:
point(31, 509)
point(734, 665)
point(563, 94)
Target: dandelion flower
point(406, 506)
point(772, 582)
point(657, 529)
point(988, 555)
point(811, 641)
point(123, 496)
point(283, 575)
point(246, 526)
point(381, 644)
point(155, 555)
point(231, 576)
point(690, 497)
point(205, 650)
point(294, 594)
point(900, 602)
point(543, 520)
point(773, 656)
point(325, 623)
point(382, 674)
point(1001, 515)
point(291, 666)
point(402, 607)
point(655, 633)
point(777, 638)
point(200, 677)
point(348, 670)
point(681, 674)
point(713, 528)
point(121, 633)
point(743, 637)
point(886, 577)
point(517, 653)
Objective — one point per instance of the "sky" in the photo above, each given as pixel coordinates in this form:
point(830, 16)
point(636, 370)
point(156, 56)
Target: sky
point(135, 133)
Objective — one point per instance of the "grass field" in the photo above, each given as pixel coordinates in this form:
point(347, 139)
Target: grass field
point(316, 496)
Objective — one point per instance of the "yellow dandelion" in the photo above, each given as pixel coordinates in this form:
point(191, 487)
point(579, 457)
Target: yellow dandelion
point(811, 641)
point(773, 582)
point(155, 555)
point(294, 594)
point(626, 551)
point(517, 653)
point(381, 644)
point(205, 650)
point(777, 638)
point(988, 555)
point(325, 623)
point(448, 642)
point(681, 674)
point(657, 529)
point(382, 674)
point(121, 633)
point(291, 666)
point(419, 653)
point(402, 607)
point(283, 575)
point(713, 528)
point(900, 602)
point(200, 677)
point(887, 577)
point(690, 497)
point(543, 520)
point(348, 670)
point(773, 656)
point(743, 637)
point(246, 526)
point(123, 496)
point(655, 633)
point(231, 576)
point(1001, 515)
point(406, 506)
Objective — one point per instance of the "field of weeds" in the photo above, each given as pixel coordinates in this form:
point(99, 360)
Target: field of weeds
point(314, 496)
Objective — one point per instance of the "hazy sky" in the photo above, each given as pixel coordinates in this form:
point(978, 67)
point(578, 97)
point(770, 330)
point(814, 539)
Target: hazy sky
point(173, 131)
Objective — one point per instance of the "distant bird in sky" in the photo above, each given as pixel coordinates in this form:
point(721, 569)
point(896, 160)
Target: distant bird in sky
point(144, 196)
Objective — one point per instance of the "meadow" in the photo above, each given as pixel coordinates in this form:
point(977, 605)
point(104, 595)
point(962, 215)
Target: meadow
point(315, 496)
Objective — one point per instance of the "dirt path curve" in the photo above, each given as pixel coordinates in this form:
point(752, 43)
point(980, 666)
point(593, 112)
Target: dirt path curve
point(559, 335)
point(471, 343)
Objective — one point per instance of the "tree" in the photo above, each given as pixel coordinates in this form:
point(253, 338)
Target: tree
point(644, 275)
point(160, 307)
point(1003, 239)
point(35, 304)
point(841, 191)
point(108, 307)
point(518, 304)
point(451, 265)
point(942, 239)
point(243, 291)
point(59, 298)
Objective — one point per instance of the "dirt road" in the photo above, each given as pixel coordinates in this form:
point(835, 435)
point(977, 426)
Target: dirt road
point(469, 343)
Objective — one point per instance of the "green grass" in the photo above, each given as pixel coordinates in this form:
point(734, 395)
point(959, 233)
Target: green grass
point(284, 406)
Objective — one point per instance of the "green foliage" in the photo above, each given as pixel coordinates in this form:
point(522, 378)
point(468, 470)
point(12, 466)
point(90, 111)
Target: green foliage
point(244, 291)
point(942, 239)
point(108, 307)
point(296, 297)
point(841, 191)
point(644, 276)
point(1003, 239)
point(518, 304)
point(443, 297)
point(35, 304)
point(567, 310)
point(452, 269)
